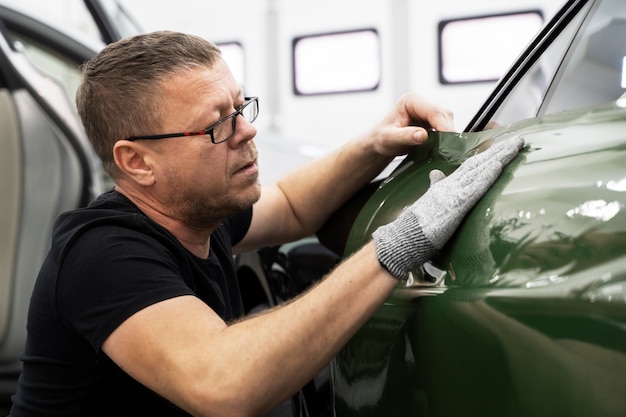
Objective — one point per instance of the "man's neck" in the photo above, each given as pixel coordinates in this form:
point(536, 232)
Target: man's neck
point(194, 240)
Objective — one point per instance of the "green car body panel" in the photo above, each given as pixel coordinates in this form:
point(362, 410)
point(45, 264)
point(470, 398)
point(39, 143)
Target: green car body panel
point(523, 312)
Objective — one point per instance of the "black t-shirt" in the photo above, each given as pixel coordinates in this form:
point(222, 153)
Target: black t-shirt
point(107, 262)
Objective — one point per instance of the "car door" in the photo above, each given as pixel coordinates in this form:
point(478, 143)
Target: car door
point(46, 163)
point(522, 312)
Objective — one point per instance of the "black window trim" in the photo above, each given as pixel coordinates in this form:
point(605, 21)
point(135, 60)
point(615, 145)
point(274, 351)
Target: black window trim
point(537, 46)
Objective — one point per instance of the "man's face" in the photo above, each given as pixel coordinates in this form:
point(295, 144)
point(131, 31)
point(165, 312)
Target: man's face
point(198, 182)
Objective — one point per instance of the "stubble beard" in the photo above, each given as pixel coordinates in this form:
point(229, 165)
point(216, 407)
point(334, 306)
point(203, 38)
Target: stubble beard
point(202, 212)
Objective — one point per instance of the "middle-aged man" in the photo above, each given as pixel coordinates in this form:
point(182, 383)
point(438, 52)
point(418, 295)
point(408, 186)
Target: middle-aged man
point(136, 310)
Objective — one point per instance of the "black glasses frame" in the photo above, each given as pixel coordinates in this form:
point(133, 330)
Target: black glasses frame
point(209, 130)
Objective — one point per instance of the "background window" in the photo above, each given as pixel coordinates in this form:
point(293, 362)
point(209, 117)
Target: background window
point(336, 62)
point(480, 49)
point(233, 54)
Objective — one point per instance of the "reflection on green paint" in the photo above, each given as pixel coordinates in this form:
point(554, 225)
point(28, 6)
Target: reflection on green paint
point(530, 318)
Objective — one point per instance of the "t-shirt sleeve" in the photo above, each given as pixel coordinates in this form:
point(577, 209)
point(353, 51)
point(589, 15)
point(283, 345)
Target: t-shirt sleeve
point(110, 273)
point(107, 276)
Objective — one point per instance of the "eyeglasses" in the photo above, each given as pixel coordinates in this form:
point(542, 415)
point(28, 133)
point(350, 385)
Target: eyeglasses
point(220, 131)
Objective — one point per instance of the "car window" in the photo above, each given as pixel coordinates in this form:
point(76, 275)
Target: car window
point(525, 99)
point(124, 23)
point(63, 70)
point(595, 71)
point(72, 16)
point(594, 53)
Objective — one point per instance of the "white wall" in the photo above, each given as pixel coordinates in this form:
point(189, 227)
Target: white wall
point(308, 126)
point(409, 63)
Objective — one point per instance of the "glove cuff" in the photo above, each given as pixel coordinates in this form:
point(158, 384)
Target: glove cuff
point(401, 246)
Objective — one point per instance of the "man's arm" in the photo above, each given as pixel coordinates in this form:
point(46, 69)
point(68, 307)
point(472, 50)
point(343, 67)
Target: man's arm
point(300, 203)
point(182, 350)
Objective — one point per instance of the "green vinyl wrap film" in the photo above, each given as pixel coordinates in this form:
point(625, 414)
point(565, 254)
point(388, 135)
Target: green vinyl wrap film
point(523, 312)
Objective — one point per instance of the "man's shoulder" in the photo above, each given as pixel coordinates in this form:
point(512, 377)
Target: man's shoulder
point(108, 218)
point(108, 208)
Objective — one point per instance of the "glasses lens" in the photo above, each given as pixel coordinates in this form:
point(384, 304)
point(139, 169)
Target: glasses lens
point(224, 130)
point(251, 110)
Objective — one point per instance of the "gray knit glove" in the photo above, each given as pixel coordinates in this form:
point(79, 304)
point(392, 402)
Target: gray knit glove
point(424, 227)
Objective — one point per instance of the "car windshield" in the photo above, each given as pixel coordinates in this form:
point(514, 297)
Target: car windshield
point(584, 66)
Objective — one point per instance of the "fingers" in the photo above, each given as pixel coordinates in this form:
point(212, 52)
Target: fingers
point(435, 176)
point(503, 152)
point(408, 123)
point(426, 114)
point(507, 150)
point(483, 169)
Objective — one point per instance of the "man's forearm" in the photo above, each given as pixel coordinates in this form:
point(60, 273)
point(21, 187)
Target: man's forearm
point(288, 346)
point(316, 190)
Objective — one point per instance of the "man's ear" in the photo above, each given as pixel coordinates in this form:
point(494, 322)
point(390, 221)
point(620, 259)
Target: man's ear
point(133, 160)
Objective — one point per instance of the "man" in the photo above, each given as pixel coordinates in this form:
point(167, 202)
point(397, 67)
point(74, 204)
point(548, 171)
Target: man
point(136, 310)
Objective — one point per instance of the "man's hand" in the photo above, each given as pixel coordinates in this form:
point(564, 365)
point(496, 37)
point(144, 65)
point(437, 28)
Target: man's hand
point(407, 125)
point(424, 227)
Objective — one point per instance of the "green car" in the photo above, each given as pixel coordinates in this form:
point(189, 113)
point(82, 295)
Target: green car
point(523, 313)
